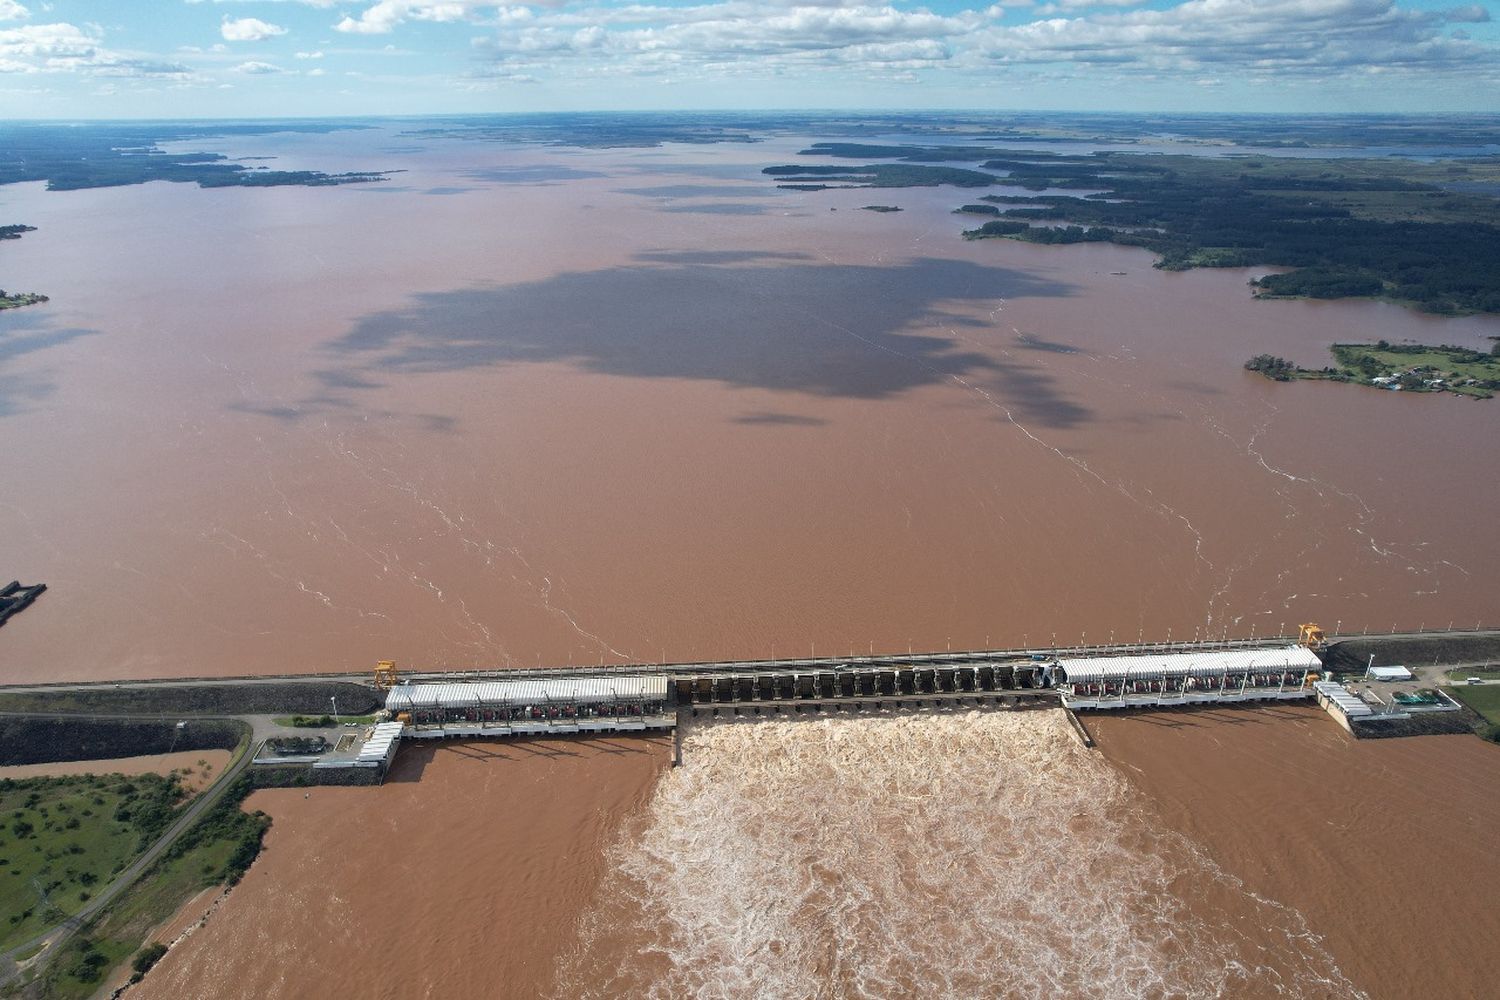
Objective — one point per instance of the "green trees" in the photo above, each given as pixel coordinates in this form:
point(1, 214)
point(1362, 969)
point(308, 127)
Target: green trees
point(1272, 367)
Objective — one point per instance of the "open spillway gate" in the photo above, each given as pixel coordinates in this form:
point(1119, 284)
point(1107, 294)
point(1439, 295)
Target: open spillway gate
point(1006, 684)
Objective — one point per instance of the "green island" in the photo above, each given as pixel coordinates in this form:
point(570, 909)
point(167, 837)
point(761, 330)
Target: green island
point(876, 175)
point(1407, 367)
point(1420, 232)
point(976, 210)
point(112, 154)
point(881, 208)
point(15, 300)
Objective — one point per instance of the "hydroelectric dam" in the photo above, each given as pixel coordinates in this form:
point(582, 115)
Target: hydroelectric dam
point(639, 698)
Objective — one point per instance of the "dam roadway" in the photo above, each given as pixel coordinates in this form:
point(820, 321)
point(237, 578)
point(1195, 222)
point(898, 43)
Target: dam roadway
point(713, 670)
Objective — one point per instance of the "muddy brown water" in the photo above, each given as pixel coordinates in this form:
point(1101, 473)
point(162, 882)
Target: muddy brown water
point(571, 411)
point(202, 767)
point(1385, 847)
point(1240, 854)
point(528, 406)
point(464, 875)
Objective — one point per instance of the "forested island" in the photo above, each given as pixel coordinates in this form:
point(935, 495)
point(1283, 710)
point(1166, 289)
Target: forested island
point(117, 153)
point(876, 175)
point(881, 208)
point(1414, 231)
point(1462, 371)
point(16, 300)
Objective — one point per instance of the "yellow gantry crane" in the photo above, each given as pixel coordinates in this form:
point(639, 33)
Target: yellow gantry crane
point(386, 677)
point(1312, 636)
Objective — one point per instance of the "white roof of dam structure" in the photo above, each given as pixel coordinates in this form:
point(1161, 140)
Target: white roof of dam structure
point(550, 691)
point(1351, 706)
point(382, 739)
point(1189, 664)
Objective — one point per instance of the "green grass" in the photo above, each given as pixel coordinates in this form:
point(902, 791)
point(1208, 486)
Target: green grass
point(1447, 363)
point(217, 850)
point(1457, 674)
point(316, 721)
point(62, 839)
point(1482, 698)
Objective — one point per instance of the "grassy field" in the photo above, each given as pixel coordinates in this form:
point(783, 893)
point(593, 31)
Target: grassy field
point(215, 851)
point(1457, 675)
point(320, 721)
point(216, 854)
point(1482, 698)
point(63, 838)
point(1450, 364)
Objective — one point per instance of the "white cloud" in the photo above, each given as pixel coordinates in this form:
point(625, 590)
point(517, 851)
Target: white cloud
point(67, 48)
point(317, 71)
point(1259, 37)
point(382, 18)
point(1472, 14)
point(731, 36)
point(253, 68)
point(248, 29)
point(12, 11)
point(310, 55)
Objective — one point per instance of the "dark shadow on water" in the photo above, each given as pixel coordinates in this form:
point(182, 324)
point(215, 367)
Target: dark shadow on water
point(22, 335)
point(717, 208)
point(415, 755)
point(701, 191)
point(1210, 715)
point(538, 174)
point(744, 319)
point(1033, 343)
point(770, 418)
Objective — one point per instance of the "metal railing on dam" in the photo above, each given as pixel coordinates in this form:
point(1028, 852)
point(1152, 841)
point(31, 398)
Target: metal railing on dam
point(759, 665)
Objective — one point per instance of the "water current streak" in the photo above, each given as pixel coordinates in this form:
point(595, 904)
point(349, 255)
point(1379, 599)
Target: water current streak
point(979, 854)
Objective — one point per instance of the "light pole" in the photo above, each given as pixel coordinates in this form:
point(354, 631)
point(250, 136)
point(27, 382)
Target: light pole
point(334, 699)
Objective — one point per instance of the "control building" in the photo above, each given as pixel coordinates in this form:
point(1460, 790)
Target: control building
point(533, 707)
point(1188, 678)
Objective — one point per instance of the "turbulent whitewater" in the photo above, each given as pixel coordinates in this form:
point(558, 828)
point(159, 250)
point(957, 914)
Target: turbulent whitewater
point(964, 855)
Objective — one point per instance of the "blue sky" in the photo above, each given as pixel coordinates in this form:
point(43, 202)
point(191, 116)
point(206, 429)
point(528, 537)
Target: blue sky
point(232, 58)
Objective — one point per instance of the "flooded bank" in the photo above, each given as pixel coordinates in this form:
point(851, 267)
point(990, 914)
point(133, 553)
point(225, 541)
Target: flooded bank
point(197, 769)
point(464, 875)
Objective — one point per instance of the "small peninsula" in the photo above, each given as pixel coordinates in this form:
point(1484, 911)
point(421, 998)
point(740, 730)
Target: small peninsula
point(1397, 367)
point(117, 153)
point(15, 300)
point(1424, 233)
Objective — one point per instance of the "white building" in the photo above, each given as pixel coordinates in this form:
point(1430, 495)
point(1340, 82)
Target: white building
point(1187, 678)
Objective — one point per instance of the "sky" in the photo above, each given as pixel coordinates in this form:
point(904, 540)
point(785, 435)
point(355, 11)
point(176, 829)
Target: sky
point(280, 58)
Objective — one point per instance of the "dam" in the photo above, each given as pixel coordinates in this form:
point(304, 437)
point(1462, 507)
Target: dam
point(623, 701)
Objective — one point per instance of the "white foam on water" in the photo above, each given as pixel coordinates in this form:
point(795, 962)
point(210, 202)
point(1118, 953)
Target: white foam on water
point(963, 855)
